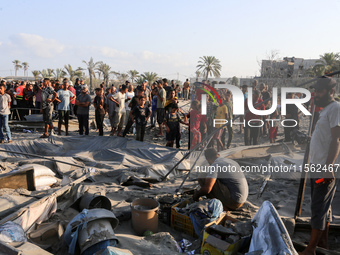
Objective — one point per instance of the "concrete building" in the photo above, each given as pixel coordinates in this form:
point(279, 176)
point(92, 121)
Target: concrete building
point(288, 67)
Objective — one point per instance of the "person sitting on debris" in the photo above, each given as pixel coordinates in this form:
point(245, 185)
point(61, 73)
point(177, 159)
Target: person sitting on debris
point(224, 181)
point(140, 114)
point(172, 123)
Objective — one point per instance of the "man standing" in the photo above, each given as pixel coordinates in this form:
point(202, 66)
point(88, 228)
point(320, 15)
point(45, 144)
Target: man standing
point(265, 96)
point(324, 151)
point(98, 104)
point(77, 90)
point(110, 105)
point(230, 187)
point(161, 97)
point(21, 103)
point(48, 95)
point(64, 98)
point(166, 87)
point(133, 103)
point(83, 103)
point(120, 110)
point(173, 85)
point(186, 88)
point(5, 105)
point(128, 95)
point(73, 108)
point(253, 121)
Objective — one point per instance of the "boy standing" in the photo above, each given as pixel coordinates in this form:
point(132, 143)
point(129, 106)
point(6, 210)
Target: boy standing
point(5, 105)
point(172, 123)
point(98, 104)
point(65, 96)
point(140, 114)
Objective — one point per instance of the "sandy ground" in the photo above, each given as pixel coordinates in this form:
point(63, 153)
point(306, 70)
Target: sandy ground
point(282, 193)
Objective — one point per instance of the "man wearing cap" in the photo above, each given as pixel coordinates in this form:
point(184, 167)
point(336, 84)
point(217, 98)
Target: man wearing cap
point(83, 103)
point(324, 154)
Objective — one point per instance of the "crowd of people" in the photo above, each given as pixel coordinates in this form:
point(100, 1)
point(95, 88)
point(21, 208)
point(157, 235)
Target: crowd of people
point(130, 108)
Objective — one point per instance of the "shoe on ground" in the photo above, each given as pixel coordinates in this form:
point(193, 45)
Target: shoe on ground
point(10, 141)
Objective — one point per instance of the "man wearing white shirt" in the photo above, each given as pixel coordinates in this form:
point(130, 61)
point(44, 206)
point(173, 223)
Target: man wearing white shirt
point(120, 100)
point(128, 96)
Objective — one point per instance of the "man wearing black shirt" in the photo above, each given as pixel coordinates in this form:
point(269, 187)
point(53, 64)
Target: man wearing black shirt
point(133, 103)
point(166, 87)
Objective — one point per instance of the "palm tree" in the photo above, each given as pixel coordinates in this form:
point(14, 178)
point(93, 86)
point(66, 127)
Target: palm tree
point(50, 72)
point(122, 77)
point(17, 66)
point(150, 76)
point(328, 62)
point(133, 75)
point(72, 73)
point(139, 80)
point(209, 65)
point(25, 66)
point(234, 81)
point(44, 73)
point(59, 73)
point(105, 70)
point(198, 73)
point(36, 74)
point(91, 66)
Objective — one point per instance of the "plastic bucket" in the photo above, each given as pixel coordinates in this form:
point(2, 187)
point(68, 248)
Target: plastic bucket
point(92, 201)
point(144, 213)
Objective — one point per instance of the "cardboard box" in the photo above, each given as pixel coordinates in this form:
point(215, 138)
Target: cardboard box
point(212, 245)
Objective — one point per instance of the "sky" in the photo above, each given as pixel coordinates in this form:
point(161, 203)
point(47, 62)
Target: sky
point(166, 37)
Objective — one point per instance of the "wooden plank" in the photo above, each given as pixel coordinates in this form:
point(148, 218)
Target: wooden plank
point(20, 179)
point(307, 227)
point(59, 192)
point(8, 249)
point(301, 246)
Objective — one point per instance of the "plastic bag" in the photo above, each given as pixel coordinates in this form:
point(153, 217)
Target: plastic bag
point(12, 232)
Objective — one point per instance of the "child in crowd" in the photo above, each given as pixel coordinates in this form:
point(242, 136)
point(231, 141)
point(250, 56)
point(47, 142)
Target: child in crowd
point(172, 123)
point(170, 101)
point(195, 122)
point(98, 104)
point(140, 114)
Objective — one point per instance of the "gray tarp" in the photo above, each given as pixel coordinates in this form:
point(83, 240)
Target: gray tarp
point(129, 156)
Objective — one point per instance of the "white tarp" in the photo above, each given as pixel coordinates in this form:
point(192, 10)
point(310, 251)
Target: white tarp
point(270, 234)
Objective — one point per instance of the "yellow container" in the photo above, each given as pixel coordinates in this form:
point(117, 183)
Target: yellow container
point(212, 245)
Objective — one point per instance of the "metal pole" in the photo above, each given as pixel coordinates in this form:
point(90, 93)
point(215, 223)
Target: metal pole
point(38, 156)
